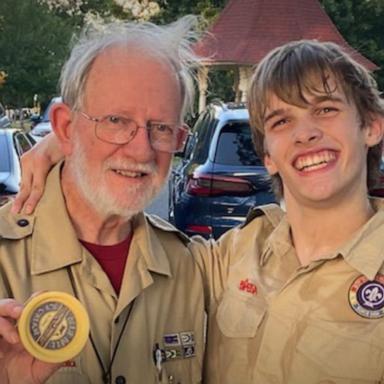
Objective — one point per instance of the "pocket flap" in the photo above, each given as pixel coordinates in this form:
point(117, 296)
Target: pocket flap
point(239, 315)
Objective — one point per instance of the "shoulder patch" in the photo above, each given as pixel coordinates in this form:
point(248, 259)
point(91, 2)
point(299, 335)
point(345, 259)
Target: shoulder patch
point(164, 225)
point(14, 226)
point(273, 212)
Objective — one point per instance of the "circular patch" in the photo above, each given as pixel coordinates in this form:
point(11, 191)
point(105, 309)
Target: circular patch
point(53, 327)
point(366, 297)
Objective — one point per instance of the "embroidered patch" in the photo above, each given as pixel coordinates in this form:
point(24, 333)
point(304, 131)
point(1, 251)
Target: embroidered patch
point(247, 286)
point(70, 364)
point(172, 354)
point(187, 338)
point(171, 340)
point(366, 297)
point(178, 345)
point(189, 351)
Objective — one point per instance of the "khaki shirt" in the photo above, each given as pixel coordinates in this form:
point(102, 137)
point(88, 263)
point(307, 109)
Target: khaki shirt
point(161, 282)
point(272, 321)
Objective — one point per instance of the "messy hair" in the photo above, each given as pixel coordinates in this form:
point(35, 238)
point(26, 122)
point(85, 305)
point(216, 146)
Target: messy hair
point(172, 43)
point(307, 67)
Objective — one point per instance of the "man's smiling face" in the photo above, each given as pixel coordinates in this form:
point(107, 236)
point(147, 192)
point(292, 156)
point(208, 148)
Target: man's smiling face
point(319, 149)
point(121, 179)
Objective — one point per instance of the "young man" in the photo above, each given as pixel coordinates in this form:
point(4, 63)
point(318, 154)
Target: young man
point(125, 92)
point(297, 297)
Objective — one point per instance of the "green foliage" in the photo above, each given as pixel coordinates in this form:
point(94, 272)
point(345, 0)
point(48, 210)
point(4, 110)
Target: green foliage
point(221, 82)
point(33, 45)
point(171, 10)
point(34, 40)
point(360, 22)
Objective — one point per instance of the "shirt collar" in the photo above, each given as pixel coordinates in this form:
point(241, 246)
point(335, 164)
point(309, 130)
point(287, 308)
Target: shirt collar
point(365, 252)
point(54, 240)
point(279, 241)
point(53, 244)
point(152, 249)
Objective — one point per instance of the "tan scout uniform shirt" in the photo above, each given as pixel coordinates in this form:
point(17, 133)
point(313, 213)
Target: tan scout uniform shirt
point(161, 282)
point(272, 321)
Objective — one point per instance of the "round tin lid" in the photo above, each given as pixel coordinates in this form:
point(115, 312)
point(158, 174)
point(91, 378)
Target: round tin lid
point(53, 327)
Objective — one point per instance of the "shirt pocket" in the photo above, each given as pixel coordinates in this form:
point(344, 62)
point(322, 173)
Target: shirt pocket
point(341, 358)
point(239, 315)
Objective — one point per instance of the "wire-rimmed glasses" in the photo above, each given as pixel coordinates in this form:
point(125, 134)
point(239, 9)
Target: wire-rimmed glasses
point(117, 129)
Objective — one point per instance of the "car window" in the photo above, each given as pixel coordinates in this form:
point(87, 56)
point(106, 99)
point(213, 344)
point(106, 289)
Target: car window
point(45, 117)
point(4, 154)
point(235, 146)
point(201, 137)
point(22, 143)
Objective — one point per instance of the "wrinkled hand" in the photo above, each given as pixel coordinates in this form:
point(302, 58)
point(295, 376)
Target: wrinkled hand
point(35, 165)
point(17, 366)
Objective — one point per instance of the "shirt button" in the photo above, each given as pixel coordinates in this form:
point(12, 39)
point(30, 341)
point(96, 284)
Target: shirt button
point(120, 380)
point(22, 222)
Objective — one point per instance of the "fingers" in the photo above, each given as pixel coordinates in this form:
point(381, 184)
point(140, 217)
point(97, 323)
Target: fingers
point(10, 311)
point(42, 371)
point(31, 191)
point(35, 165)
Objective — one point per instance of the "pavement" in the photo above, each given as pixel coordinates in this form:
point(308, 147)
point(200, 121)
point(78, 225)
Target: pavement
point(159, 206)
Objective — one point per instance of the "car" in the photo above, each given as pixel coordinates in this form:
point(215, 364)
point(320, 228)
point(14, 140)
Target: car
point(13, 143)
point(4, 120)
point(42, 124)
point(218, 177)
point(378, 189)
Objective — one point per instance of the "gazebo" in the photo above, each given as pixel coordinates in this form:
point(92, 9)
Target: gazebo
point(246, 30)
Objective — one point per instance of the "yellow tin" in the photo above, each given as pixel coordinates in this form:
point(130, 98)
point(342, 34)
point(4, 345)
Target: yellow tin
point(53, 327)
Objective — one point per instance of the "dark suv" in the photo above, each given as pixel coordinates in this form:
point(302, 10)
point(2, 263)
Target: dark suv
point(219, 176)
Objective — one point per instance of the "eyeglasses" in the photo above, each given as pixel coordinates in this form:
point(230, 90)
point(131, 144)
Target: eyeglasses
point(117, 129)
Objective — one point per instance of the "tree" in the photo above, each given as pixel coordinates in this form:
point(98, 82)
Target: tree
point(360, 23)
point(33, 45)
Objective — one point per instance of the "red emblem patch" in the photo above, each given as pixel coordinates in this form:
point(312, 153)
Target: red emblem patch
point(247, 286)
point(70, 364)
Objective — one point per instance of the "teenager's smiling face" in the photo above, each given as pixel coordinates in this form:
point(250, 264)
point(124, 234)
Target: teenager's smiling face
point(318, 149)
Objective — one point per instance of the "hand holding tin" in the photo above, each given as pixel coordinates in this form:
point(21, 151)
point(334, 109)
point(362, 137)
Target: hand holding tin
point(17, 366)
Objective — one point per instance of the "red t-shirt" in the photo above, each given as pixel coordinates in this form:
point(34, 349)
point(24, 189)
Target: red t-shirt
point(112, 259)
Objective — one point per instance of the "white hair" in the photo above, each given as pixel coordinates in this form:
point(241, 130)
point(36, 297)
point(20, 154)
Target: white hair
point(173, 42)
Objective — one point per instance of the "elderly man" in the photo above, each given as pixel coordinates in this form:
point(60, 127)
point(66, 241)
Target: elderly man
point(125, 91)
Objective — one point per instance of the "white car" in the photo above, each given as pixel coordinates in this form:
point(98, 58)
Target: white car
point(43, 127)
point(4, 120)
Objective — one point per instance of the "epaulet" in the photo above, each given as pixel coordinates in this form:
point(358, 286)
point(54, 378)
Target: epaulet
point(14, 226)
point(273, 212)
point(164, 225)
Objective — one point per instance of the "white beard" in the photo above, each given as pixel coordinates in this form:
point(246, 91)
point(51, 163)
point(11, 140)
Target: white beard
point(97, 192)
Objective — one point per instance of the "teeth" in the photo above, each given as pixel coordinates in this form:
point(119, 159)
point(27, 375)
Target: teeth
point(128, 173)
point(316, 161)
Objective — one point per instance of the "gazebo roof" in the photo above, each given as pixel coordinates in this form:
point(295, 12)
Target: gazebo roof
point(246, 30)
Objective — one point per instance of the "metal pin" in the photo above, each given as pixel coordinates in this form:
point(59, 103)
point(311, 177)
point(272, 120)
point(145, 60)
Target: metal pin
point(158, 361)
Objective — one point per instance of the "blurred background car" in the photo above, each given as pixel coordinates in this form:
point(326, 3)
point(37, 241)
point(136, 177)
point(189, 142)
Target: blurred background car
point(13, 143)
point(4, 120)
point(41, 125)
point(219, 176)
point(378, 189)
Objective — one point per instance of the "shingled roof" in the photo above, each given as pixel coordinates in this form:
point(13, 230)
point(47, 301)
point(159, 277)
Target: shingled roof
point(246, 30)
